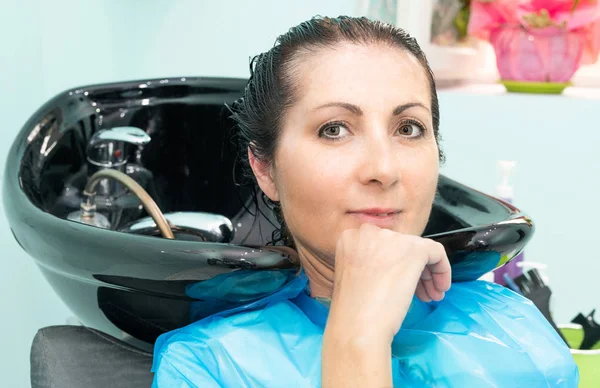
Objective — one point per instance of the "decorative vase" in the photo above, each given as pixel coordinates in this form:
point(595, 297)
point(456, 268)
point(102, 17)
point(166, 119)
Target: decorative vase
point(541, 60)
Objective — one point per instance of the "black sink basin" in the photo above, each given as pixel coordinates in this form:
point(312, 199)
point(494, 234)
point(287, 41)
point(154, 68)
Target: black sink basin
point(136, 287)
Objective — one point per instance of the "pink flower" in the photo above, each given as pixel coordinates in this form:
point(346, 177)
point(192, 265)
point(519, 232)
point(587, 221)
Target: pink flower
point(537, 16)
point(591, 46)
point(561, 11)
point(488, 15)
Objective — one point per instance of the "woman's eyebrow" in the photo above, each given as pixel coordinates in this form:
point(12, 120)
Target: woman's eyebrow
point(357, 111)
point(351, 107)
point(401, 108)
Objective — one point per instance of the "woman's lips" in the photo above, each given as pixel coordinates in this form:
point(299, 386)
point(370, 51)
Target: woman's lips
point(382, 218)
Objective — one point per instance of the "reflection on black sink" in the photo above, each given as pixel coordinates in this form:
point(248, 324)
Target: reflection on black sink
point(188, 226)
point(136, 286)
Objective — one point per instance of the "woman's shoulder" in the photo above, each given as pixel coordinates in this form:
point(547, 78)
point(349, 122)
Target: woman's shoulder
point(219, 327)
point(234, 347)
point(483, 327)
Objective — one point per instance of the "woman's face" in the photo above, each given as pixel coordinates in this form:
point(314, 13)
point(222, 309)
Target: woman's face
point(358, 142)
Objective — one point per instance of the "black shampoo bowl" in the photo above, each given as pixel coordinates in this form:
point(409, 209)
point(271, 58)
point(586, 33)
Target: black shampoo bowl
point(136, 286)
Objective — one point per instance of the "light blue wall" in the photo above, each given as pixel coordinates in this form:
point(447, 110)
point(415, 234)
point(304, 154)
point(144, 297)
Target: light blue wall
point(26, 301)
point(554, 140)
point(46, 47)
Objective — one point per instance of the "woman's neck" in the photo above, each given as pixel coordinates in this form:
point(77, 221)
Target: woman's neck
point(320, 275)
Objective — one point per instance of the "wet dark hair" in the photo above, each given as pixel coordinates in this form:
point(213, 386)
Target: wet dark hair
point(275, 82)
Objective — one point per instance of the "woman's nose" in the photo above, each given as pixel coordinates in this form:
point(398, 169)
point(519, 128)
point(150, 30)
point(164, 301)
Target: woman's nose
point(379, 162)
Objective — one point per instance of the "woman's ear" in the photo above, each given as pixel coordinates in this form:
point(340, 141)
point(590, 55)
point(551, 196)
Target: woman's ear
point(264, 176)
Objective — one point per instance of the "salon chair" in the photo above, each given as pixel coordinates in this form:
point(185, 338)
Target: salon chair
point(106, 255)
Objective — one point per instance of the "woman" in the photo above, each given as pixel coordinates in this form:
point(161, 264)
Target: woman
point(340, 125)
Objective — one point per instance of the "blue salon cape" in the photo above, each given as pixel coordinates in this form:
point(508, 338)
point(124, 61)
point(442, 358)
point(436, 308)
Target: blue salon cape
point(480, 335)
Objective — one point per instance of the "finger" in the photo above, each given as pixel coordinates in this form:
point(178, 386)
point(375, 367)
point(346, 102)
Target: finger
point(426, 274)
point(348, 236)
point(439, 266)
point(432, 292)
point(442, 281)
point(422, 293)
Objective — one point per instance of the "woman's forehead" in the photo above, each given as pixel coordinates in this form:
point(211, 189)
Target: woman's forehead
point(362, 74)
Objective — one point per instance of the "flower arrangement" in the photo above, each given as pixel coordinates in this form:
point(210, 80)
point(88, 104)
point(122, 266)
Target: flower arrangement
point(538, 40)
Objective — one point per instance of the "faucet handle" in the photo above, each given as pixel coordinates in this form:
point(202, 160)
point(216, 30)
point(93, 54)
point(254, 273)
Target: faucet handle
point(107, 148)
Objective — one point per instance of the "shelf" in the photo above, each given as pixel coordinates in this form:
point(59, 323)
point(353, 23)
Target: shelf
point(498, 90)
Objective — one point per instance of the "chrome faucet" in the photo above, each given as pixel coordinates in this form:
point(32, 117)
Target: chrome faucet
point(109, 148)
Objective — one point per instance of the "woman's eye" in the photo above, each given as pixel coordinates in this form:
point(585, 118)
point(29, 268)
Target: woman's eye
point(333, 131)
point(410, 130)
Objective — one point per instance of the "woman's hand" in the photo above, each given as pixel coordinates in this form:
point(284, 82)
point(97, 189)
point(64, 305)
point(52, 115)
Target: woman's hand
point(377, 273)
